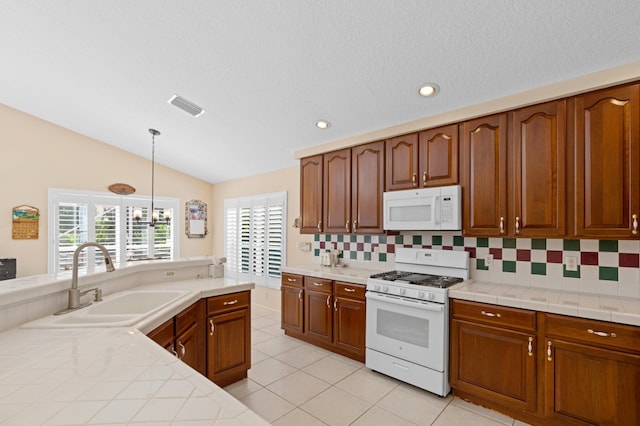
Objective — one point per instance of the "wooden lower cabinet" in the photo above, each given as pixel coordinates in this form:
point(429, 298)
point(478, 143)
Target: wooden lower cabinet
point(328, 314)
point(583, 372)
point(228, 338)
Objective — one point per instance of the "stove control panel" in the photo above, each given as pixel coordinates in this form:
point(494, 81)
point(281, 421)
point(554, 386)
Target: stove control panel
point(432, 294)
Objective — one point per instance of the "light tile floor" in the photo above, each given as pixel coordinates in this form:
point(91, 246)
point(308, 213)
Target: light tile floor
point(295, 383)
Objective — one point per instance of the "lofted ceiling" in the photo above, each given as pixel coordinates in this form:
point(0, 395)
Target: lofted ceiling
point(266, 70)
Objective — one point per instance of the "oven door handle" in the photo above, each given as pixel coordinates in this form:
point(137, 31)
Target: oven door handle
point(417, 304)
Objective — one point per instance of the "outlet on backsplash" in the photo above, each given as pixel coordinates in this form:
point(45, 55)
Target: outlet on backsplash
point(488, 260)
point(571, 262)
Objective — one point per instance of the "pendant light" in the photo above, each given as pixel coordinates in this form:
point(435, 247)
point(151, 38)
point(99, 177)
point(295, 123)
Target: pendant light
point(137, 213)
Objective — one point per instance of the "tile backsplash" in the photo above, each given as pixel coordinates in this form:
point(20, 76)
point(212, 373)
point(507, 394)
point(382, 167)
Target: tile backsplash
point(610, 267)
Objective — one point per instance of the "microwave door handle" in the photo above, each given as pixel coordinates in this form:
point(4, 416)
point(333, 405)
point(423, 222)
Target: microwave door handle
point(436, 210)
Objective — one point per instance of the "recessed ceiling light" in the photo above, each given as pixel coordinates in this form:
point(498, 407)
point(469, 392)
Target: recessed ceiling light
point(323, 124)
point(428, 89)
point(186, 105)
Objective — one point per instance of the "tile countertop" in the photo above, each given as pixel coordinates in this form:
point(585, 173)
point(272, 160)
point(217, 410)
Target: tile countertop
point(114, 375)
point(338, 273)
point(584, 305)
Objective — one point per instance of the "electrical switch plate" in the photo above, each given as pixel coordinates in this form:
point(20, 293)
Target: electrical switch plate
point(571, 263)
point(488, 260)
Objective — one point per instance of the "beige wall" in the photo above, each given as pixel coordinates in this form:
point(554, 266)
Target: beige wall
point(36, 155)
point(281, 180)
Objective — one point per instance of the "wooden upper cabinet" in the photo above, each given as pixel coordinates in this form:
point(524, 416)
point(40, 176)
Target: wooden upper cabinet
point(367, 186)
point(402, 162)
point(311, 180)
point(337, 192)
point(537, 170)
point(484, 175)
point(607, 162)
point(438, 153)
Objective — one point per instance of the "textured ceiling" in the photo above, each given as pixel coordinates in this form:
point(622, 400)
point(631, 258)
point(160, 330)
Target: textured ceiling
point(265, 71)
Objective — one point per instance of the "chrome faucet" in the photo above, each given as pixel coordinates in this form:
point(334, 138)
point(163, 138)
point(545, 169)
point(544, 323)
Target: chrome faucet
point(74, 292)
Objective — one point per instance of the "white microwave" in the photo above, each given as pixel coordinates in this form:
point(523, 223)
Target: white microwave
point(424, 209)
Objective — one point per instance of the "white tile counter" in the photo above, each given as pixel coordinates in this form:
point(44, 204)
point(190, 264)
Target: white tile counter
point(585, 305)
point(65, 376)
point(338, 273)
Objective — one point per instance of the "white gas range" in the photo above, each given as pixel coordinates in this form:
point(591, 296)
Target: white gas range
point(408, 313)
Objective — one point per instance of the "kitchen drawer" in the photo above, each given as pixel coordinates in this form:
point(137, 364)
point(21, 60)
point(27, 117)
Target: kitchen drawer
point(318, 284)
point(349, 290)
point(186, 318)
point(501, 316)
point(611, 335)
point(228, 302)
point(292, 280)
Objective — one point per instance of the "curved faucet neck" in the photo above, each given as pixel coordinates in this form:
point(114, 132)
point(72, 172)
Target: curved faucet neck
point(107, 261)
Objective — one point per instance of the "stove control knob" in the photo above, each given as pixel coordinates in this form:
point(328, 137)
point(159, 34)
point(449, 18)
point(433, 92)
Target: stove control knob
point(421, 294)
point(403, 291)
point(377, 287)
point(432, 296)
point(385, 289)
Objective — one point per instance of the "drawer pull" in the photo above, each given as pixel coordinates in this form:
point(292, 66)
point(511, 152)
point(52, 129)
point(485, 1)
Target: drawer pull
point(601, 333)
point(350, 290)
point(291, 280)
point(549, 351)
point(530, 347)
point(231, 302)
point(490, 314)
point(212, 327)
point(317, 284)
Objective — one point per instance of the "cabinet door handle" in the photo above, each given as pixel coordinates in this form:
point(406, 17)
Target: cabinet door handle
point(355, 225)
point(300, 295)
point(424, 178)
point(517, 225)
point(335, 305)
point(634, 231)
point(319, 226)
point(490, 314)
point(346, 226)
point(601, 333)
point(530, 347)
point(231, 302)
point(329, 301)
point(350, 290)
point(502, 225)
point(212, 327)
point(173, 351)
point(183, 350)
point(549, 351)
point(414, 179)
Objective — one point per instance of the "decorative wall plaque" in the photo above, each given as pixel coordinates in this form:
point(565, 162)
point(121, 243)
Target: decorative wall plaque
point(26, 220)
point(195, 219)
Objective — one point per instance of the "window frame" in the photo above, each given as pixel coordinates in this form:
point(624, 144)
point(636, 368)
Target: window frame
point(93, 198)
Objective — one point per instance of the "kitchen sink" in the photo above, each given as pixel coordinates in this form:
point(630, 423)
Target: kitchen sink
point(118, 310)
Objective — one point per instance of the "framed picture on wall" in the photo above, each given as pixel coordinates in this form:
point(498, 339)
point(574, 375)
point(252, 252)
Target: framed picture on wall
point(195, 219)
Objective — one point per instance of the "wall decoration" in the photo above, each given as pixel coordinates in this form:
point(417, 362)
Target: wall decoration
point(122, 189)
point(195, 222)
point(26, 220)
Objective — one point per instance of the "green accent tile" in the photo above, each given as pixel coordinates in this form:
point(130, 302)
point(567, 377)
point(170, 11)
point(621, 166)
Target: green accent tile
point(509, 243)
point(327, 237)
point(508, 266)
point(436, 240)
point(571, 245)
point(382, 257)
point(608, 273)
point(353, 238)
point(367, 238)
point(399, 239)
point(538, 268)
point(538, 244)
point(480, 265)
point(608, 245)
point(316, 237)
point(382, 239)
point(353, 255)
point(340, 238)
point(367, 255)
point(417, 240)
point(482, 242)
point(570, 274)
point(458, 241)
point(316, 252)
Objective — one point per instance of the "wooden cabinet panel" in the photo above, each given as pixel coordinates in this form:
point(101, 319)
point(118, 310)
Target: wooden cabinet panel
point(337, 192)
point(354, 291)
point(318, 284)
point(229, 347)
point(538, 170)
point(402, 162)
point(291, 310)
point(311, 181)
point(591, 385)
point(367, 187)
point(607, 162)
point(500, 316)
point(164, 335)
point(317, 316)
point(484, 175)
point(188, 347)
point(438, 165)
point(228, 302)
point(349, 325)
point(293, 280)
point(477, 349)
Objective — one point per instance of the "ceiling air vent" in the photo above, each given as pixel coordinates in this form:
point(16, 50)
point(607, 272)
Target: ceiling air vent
point(185, 105)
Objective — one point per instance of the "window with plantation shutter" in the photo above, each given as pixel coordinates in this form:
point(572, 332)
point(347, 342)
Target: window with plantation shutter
point(79, 217)
point(255, 237)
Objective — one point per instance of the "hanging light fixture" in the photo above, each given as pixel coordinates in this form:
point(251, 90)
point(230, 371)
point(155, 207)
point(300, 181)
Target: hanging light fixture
point(137, 213)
